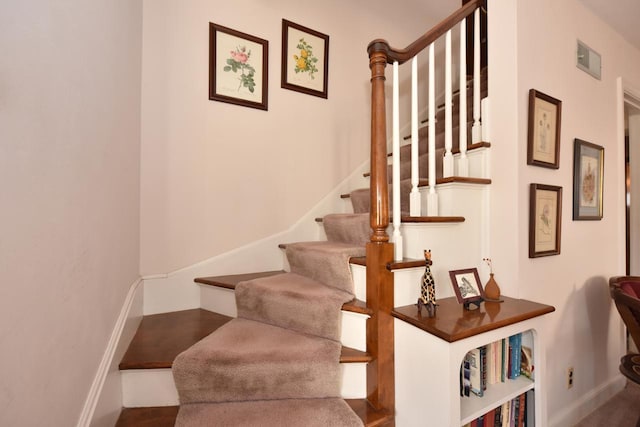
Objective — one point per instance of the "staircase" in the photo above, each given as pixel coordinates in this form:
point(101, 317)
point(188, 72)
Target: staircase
point(311, 342)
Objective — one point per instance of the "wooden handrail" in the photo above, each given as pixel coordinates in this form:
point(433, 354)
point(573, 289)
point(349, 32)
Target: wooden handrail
point(403, 55)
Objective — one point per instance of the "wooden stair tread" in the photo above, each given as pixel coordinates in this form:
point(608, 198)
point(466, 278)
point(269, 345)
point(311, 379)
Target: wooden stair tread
point(424, 182)
point(230, 282)
point(395, 265)
point(431, 219)
point(454, 150)
point(156, 416)
point(165, 416)
point(161, 337)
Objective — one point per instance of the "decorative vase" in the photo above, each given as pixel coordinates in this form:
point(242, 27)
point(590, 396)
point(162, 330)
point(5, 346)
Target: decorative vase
point(491, 289)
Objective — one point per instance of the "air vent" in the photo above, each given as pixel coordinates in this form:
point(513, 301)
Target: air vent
point(588, 60)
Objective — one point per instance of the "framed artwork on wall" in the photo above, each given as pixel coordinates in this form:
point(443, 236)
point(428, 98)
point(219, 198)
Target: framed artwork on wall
point(305, 59)
point(466, 284)
point(238, 67)
point(588, 179)
point(545, 219)
point(543, 140)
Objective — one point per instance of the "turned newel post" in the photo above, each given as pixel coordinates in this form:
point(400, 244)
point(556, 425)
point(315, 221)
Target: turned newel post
point(379, 209)
point(380, 335)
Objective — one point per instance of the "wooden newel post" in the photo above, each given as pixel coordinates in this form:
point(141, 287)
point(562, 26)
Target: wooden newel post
point(380, 336)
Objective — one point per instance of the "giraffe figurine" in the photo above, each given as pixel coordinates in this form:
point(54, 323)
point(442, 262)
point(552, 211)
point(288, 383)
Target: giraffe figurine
point(428, 288)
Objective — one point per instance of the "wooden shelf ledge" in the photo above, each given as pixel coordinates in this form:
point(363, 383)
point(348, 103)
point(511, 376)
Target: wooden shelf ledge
point(452, 322)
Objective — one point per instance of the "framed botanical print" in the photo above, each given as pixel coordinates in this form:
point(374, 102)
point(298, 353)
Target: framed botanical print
point(305, 59)
point(543, 141)
point(466, 285)
point(545, 219)
point(238, 67)
point(588, 179)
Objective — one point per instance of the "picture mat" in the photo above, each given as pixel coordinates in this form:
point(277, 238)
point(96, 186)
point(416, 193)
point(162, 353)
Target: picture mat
point(545, 221)
point(300, 78)
point(227, 82)
point(544, 131)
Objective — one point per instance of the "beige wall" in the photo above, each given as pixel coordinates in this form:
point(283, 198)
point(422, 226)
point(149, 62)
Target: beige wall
point(216, 176)
point(69, 195)
point(585, 332)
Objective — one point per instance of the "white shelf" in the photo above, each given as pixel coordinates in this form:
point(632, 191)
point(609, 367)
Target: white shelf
point(495, 395)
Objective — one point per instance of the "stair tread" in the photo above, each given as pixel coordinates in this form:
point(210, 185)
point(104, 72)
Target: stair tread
point(431, 219)
point(165, 416)
point(156, 416)
point(424, 182)
point(395, 265)
point(230, 282)
point(161, 337)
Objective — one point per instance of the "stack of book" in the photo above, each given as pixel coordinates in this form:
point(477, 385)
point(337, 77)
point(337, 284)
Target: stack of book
point(517, 412)
point(496, 362)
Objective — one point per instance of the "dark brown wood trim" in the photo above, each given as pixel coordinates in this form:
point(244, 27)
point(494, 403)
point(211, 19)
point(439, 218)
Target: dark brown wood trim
point(356, 306)
point(403, 55)
point(370, 416)
point(406, 263)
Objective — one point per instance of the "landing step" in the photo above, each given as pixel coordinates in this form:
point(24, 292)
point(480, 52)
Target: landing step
point(230, 282)
point(161, 337)
point(165, 416)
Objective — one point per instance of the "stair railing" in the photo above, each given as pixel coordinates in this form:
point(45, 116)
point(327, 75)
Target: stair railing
point(380, 52)
point(380, 251)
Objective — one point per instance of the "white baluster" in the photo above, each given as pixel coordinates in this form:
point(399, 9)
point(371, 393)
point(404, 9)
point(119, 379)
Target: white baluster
point(463, 161)
point(476, 130)
point(432, 199)
point(414, 201)
point(447, 168)
point(397, 237)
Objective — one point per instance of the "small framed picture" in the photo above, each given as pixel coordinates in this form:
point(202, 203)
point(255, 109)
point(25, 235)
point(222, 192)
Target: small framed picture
point(588, 178)
point(466, 285)
point(238, 67)
point(545, 217)
point(305, 59)
point(543, 142)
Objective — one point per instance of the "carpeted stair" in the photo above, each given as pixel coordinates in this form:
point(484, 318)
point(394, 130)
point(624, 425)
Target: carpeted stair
point(277, 363)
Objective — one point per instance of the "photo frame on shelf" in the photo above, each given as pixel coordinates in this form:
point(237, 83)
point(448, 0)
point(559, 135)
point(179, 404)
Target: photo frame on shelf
point(305, 60)
point(543, 140)
point(467, 286)
point(238, 67)
point(545, 219)
point(588, 180)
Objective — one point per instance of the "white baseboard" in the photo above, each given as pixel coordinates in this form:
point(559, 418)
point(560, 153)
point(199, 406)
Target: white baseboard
point(104, 401)
point(588, 403)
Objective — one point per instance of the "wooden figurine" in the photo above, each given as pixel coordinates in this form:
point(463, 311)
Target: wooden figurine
point(428, 288)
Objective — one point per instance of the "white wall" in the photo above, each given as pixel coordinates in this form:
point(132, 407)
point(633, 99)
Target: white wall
point(217, 176)
point(585, 332)
point(69, 194)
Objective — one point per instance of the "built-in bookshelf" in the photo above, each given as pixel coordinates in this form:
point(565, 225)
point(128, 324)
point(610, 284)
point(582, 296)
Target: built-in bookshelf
point(429, 353)
point(497, 372)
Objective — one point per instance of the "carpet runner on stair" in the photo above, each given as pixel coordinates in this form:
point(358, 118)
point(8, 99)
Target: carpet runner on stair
point(277, 363)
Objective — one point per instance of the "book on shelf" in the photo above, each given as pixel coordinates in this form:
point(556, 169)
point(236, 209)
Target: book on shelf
point(513, 413)
point(496, 362)
point(526, 362)
point(475, 371)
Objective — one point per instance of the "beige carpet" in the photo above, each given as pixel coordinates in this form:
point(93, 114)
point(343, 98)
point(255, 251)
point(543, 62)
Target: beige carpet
point(622, 410)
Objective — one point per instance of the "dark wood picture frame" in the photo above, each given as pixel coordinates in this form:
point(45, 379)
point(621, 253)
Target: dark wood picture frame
point(588, 180)
point(543, 138)
point(238, 67)
point(305, 60)
point(545, 220)
point(467, 286)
